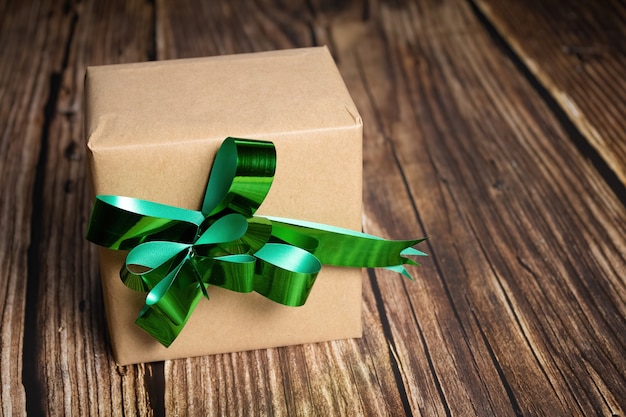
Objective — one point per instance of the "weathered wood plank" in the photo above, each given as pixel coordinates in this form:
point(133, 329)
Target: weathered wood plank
point(72, 371)
point(220, 27)
point(28, 33)
point(445, 367)
point(512, 298)
point(577, 52)
point(335, 378)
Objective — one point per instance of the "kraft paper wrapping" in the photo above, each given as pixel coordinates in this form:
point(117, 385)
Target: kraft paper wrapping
point(152, 132)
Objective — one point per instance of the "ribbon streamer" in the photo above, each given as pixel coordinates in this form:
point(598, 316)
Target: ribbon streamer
point(175, 254)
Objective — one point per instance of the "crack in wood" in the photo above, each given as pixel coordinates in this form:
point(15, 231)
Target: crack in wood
point(395, 365)
point(31, 375)
point(494, 360)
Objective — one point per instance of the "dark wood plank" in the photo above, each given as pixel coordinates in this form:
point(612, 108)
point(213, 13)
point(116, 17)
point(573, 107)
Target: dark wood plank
point(68, 368)
point(28, 33)
point(528, 263)
point(444, 368)
point(577, 52)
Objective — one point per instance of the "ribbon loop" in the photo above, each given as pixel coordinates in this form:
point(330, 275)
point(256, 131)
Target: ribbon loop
point(225, 229)
point(286, 273)
point(122, 223)
point(241, 177)
point(149, 256)
point(175, 253)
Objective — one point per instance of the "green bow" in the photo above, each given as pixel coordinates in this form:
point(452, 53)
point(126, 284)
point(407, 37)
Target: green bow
point(175, 253)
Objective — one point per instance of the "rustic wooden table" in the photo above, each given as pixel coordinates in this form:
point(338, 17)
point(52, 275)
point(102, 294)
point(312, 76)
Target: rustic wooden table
point(495, 127)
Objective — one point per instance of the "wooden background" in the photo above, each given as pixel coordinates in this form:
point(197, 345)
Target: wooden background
point(496, 127)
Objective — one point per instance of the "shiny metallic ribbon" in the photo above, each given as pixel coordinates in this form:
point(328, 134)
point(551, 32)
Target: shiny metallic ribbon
point(175, 254)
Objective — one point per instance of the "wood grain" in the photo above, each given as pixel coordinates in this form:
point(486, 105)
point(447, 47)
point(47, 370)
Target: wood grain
point(24, 85)
point(509, 189)
point(67, 364)
point(519, 310)
point(577, 53)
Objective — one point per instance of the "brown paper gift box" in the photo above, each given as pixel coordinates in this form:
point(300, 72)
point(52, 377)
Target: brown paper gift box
point(153, 130)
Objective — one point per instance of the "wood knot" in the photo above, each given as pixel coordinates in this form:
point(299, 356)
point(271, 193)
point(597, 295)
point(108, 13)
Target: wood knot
point(73, 152)
point(69, 187)
point(498, 185)
point(122, 370)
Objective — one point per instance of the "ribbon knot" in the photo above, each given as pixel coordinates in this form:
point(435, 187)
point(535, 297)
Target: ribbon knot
point(175, 254)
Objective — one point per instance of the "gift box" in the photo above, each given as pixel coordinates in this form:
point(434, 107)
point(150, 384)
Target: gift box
point(153, 130)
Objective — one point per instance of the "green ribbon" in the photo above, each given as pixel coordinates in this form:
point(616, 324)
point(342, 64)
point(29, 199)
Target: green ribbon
point(175, 254)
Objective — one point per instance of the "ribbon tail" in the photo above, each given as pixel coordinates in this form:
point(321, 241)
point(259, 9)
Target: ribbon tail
point(414, 252)
point(400, 269)
point(343, 247)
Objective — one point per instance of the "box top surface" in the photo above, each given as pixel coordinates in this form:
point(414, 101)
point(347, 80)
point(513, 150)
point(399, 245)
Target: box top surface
point(245, 95)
